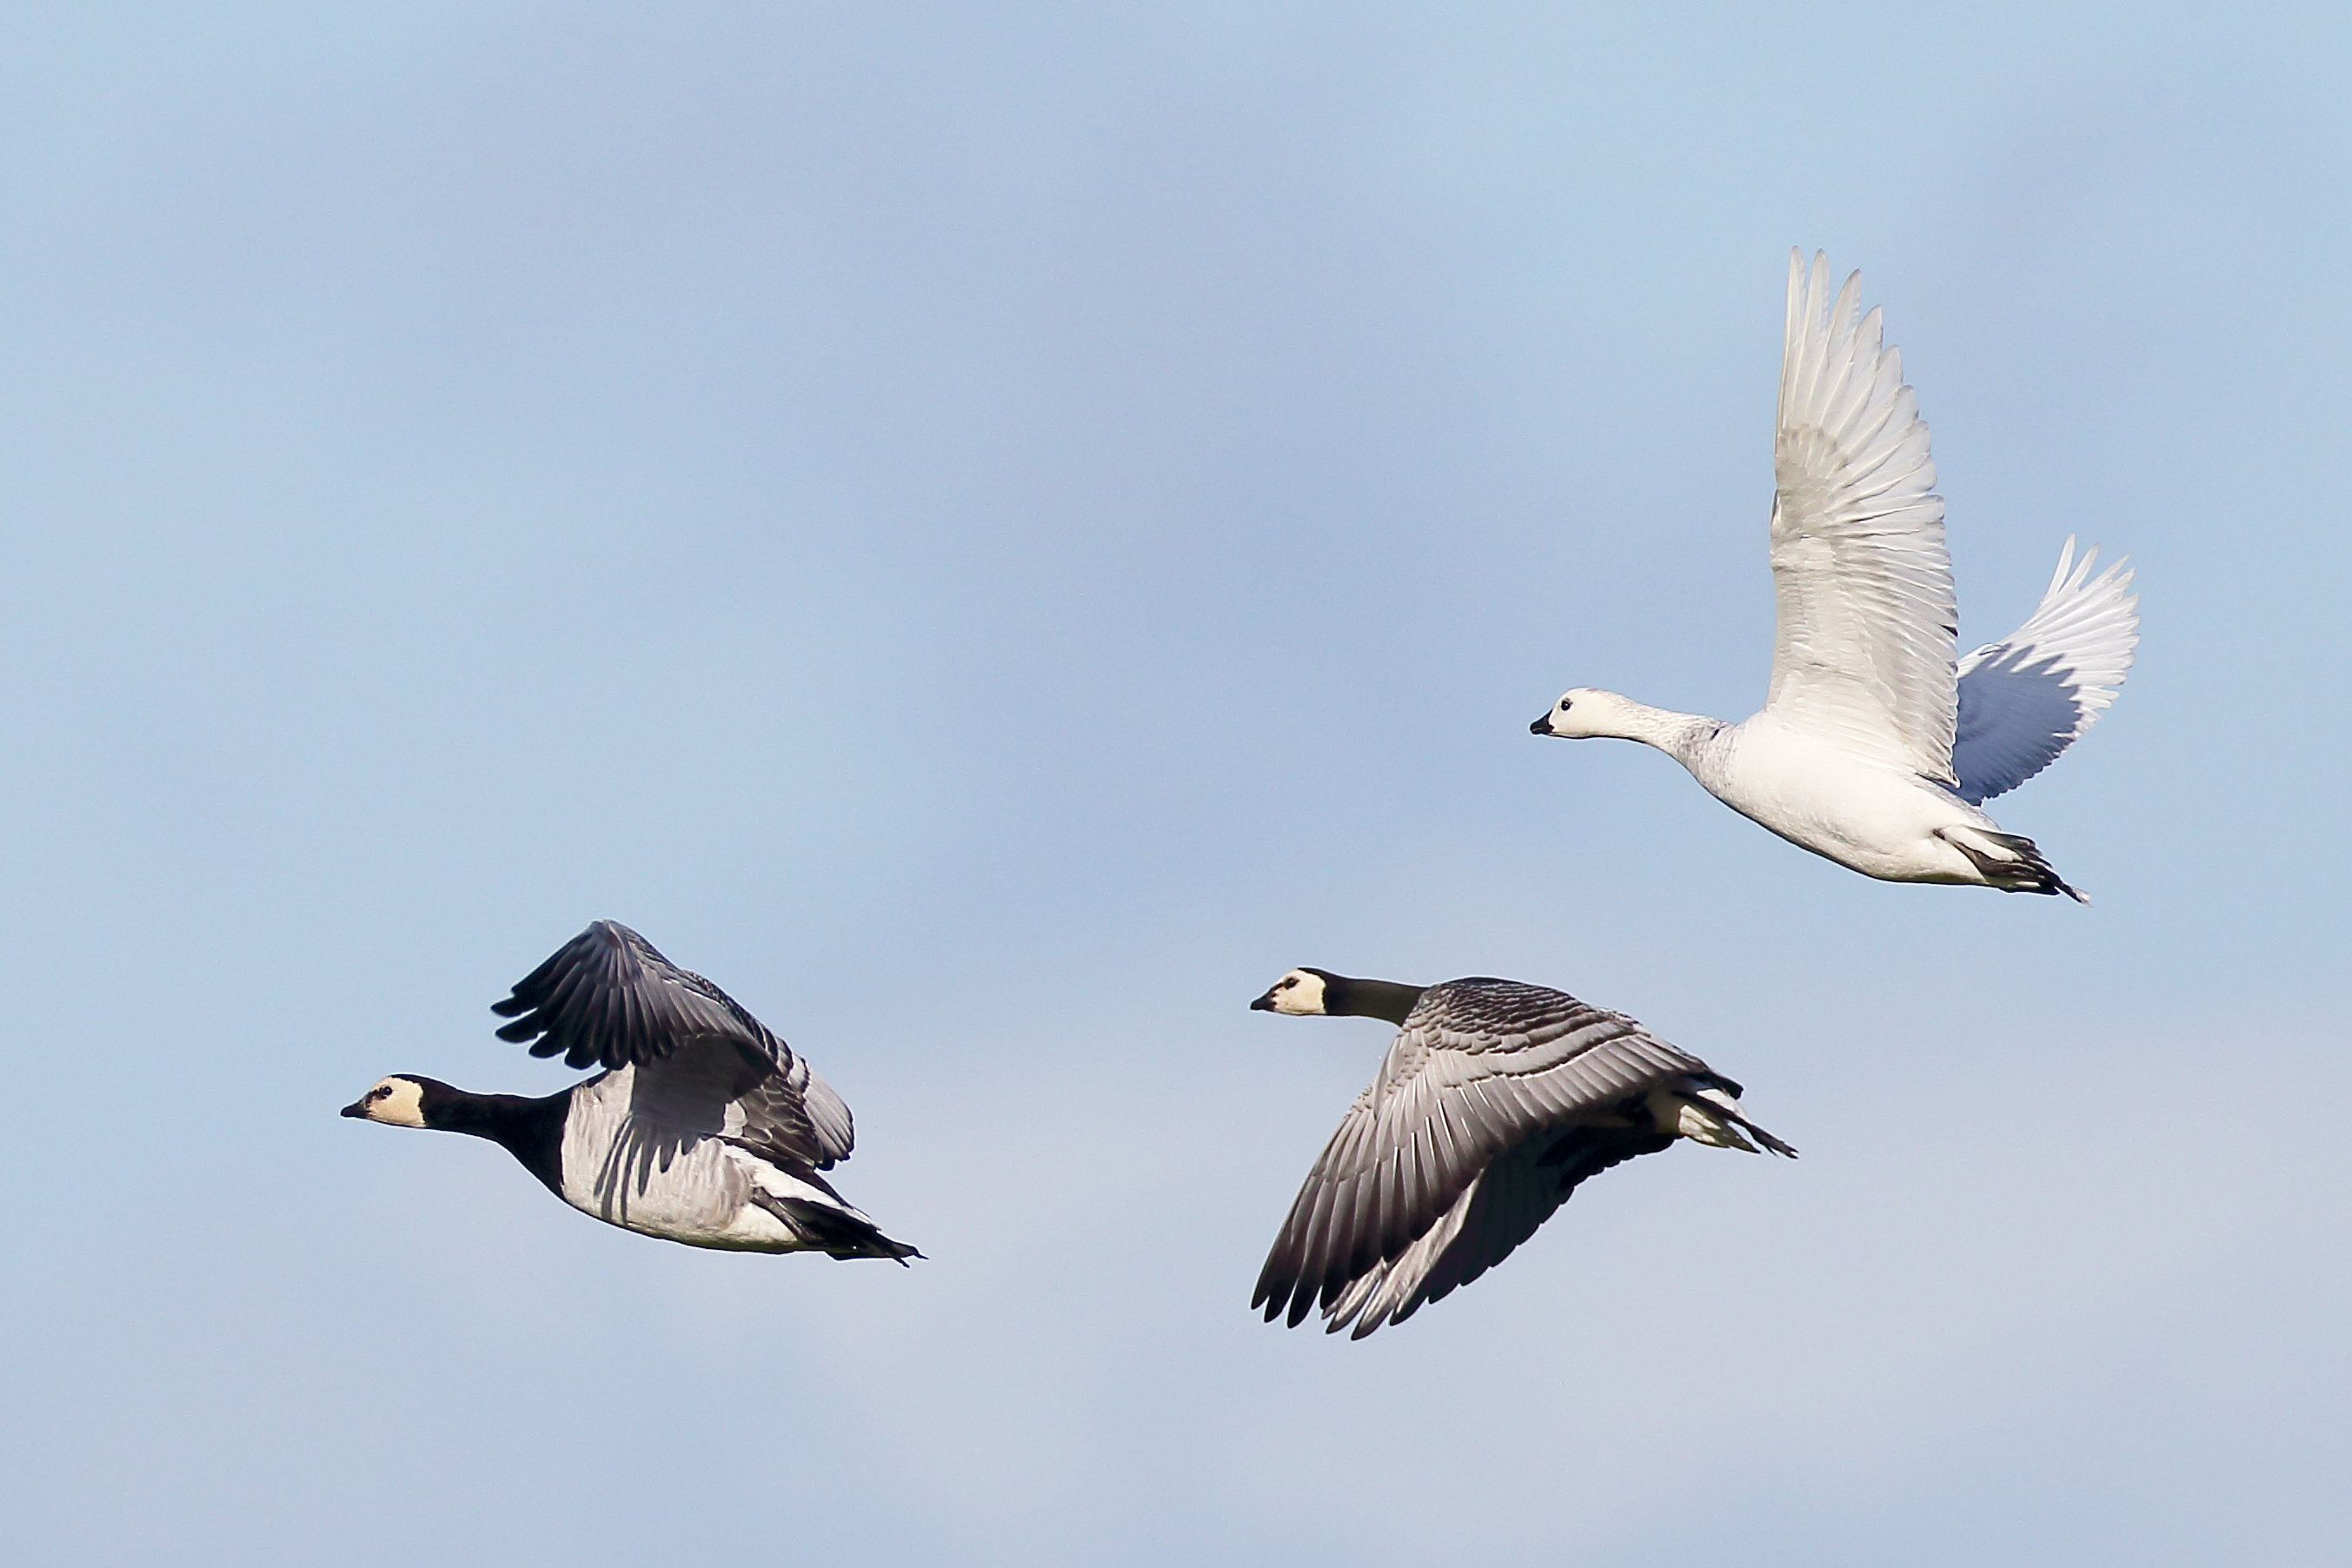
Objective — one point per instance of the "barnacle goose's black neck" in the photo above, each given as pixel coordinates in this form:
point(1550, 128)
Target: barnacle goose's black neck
point(530, 1129)
point(1347, 999)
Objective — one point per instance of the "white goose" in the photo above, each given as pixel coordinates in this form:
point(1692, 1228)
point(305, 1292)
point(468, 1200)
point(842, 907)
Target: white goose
point(1873, 748)
point(704, 1128)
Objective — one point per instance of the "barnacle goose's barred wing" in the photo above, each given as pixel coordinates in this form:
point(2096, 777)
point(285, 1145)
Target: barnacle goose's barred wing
point(1862, 654)
point(2028, 697)
point(1524, 1187)
point(1479, 1067)
point(609, 997)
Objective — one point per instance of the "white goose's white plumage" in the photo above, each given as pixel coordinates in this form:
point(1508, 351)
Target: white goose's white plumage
point(1494, 1101)
point(1875, 746)
point(705, 1128)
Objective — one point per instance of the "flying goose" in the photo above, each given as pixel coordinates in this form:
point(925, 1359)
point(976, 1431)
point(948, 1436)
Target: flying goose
point(703, 1128)
point(1873, 748)
point(1495, 1100)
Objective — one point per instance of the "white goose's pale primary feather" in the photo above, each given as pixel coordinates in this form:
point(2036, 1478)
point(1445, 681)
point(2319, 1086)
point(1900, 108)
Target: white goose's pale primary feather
point(2030, 696)
point(1875, 746)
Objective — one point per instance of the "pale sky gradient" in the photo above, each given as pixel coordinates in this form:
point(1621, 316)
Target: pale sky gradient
point(994, 531)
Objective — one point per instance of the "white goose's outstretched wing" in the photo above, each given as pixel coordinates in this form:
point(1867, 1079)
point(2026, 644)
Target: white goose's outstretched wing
point(2027, 698)
point(609, 997)
point(1479, 1069)
point(1863, 652)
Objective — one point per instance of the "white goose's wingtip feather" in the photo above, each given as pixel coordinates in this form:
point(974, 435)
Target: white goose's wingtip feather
point(2073, 580)
point(2060, 579)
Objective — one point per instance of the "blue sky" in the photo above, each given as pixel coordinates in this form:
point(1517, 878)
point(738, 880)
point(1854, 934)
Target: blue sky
point(993, 536)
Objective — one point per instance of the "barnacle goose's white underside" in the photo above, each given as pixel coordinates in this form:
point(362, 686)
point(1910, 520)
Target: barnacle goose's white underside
point(1875, 747)
point(704, 1128)
point(1494, 1101)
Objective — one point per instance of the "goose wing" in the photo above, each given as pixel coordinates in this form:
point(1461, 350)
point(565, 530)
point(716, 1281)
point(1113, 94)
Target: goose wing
point(794, 1114)
point(1862, 654)
point(1480, 1068)
point(2027, 698)
point(609, 997)
point(1507, 1204)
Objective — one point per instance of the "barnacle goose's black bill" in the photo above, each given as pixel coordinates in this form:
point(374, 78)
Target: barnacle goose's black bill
point(356, 1108)
point(1542, 726)
point(1264, 1003)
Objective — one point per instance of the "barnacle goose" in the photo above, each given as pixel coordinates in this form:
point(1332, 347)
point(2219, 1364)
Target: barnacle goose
point(1873, 748)
point(703, 1128)
point(1495, 1100)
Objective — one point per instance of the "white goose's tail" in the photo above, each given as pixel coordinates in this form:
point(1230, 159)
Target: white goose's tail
point(2008, 861)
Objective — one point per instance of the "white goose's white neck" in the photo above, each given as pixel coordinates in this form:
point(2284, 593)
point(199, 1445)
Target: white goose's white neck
point(1685, 737)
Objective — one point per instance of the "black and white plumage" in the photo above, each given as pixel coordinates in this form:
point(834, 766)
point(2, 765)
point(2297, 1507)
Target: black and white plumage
point(1495, 1101)
point(704, 1127)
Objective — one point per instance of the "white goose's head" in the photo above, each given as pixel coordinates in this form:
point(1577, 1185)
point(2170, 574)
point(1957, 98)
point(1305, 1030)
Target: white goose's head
point(1299, 993)
point(1584, 712)
point(396, 1101)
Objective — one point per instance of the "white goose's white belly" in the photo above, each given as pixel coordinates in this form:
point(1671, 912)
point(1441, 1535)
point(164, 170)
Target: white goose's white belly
point(1878, 819)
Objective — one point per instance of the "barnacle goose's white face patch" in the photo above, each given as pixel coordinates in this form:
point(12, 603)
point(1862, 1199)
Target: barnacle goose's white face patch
point(1299, 994)
point(395, 1101)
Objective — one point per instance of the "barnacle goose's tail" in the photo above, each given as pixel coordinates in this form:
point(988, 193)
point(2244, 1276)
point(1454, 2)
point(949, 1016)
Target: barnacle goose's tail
point(1698, 1110)
point(837, 1231)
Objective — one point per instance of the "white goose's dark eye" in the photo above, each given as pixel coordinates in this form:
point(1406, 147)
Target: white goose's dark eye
point(1289, 983)
point(1563, 704)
